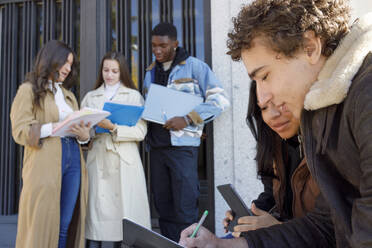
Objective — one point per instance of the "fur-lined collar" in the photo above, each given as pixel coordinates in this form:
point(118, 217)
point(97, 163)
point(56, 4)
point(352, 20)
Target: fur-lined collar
point(335, 78)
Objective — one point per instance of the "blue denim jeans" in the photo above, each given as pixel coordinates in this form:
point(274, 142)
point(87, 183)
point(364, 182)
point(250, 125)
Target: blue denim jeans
point(228, 236)
point(70, 185)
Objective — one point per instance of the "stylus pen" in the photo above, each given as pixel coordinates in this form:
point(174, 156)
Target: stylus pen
point(202, 219)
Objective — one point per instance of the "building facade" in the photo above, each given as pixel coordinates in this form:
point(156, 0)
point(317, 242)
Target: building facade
point(93, 27)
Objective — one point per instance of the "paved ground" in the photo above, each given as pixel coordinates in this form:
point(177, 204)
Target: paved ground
point(8, 230)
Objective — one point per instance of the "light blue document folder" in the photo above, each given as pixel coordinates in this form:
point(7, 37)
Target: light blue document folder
point(163, 103)
point(121, 114)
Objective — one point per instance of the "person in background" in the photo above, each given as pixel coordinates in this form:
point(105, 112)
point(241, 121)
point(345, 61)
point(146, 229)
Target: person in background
point(289, 190)
point(174, 151)
point(52, 203)
point(117, 186)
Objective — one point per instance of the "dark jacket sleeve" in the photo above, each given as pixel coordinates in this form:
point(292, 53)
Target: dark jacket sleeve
point(314, 230)
point(265, 200)
point(361, 214)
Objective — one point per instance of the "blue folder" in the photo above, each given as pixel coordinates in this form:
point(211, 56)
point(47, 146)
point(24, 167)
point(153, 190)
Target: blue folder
point(121, 114)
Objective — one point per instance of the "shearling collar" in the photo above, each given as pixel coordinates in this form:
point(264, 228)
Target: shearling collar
point(335, 78)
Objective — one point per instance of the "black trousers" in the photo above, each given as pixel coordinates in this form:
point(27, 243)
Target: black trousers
point(98, 244)
point(175, 187)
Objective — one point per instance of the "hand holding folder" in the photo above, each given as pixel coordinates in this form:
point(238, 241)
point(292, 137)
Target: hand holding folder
point(121, 114)
point(163, 103)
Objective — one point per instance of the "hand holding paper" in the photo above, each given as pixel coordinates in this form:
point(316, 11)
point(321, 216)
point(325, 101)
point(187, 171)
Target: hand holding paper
point(87, 115)
point(81, 130)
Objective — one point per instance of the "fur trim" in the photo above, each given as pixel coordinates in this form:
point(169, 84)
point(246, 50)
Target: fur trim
point(149, 68)
point(335, 78)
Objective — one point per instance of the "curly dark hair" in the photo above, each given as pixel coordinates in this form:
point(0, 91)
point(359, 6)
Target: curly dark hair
point(282, 24)
point(165, 29)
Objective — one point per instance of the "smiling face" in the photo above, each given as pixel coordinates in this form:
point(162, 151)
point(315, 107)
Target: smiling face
point(280, 80)
point(163, 48)
point(110, 72)
point(65, 70)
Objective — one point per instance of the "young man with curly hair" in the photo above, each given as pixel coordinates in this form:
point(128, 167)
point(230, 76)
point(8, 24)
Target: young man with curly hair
point(305, 59)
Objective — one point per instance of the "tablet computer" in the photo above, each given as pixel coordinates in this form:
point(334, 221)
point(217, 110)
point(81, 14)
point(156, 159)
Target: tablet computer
point(235, 202)
point(137, 236)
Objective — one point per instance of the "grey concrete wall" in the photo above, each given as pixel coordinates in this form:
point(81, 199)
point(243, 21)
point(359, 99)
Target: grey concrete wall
point(359, 8)
point(234, 146)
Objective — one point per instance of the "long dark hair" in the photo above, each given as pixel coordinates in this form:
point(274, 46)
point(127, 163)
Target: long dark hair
point(50, 58)
point(269, 143)
point(125, 77)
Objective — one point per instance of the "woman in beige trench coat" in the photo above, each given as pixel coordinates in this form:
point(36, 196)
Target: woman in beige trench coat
point(35, 110)
point(117, 186)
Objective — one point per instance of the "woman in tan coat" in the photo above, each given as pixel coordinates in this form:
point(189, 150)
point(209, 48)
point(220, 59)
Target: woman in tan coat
point(54, 194)
point(117, 186)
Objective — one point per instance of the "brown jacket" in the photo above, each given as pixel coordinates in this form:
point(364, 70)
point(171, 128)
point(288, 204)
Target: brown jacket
point(39, 206)
point(304, 188)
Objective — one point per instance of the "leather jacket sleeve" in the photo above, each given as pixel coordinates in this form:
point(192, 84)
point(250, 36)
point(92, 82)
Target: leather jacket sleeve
point(314, 230)
point(361, 214)
point(265, 200)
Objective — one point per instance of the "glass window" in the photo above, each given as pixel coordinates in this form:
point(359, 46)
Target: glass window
point(1, 31)
point(21, 37)
point(155, 17)
point(134, 41)
point(113, 26)
point(76, 40)
point(199, 29)
point(76, 22)
point(155, 12)
point(58, 21)
point(39, 25)
point(177, 20)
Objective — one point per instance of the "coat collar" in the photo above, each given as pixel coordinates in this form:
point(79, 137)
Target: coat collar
point(150, 67)
point(101, 90)
point(335, 78)
point(67, 93)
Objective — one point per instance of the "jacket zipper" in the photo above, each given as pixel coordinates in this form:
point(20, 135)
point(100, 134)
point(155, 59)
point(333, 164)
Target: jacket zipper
point(300, 141)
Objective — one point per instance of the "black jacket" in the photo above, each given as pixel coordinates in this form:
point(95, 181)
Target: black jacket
point(341, 159)
point(337, 133)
